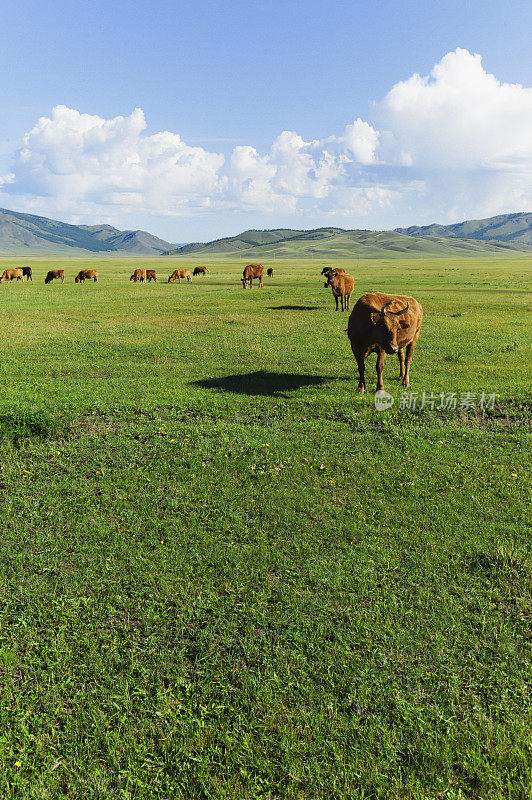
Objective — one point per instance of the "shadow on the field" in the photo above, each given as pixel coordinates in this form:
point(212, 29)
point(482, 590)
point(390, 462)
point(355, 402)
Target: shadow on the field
point(262, 383)
point(293, 308)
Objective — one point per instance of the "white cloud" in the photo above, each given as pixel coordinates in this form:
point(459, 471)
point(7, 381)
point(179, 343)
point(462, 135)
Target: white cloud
point(448, 145)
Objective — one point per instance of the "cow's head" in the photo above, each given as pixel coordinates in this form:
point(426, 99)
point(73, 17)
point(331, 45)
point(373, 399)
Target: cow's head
point(244, 283)
point(330, 277)
point(386, 327)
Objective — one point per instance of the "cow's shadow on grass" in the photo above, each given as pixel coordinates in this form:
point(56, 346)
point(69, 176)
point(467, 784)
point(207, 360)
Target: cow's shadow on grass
point(294, 308)
point(266, 384)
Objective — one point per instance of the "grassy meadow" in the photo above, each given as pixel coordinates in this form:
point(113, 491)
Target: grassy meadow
point(224, 574)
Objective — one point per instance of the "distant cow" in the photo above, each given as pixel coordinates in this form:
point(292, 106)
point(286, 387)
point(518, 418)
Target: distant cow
point(384, 323)
point(55, 274)
point(11, 275)
point(86, 275)
point(150, 275)
point(199, 270)
point(327, 270)
point(269, 272)
point(27, 273)
point(252, 271)
point(177, 274)
point(342, 284)
point(139, 275)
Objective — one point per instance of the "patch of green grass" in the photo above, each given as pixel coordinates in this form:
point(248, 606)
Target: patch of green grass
point(224, 574)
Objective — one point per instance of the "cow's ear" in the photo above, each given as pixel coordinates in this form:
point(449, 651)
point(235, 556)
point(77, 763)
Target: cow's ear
point(375, 317)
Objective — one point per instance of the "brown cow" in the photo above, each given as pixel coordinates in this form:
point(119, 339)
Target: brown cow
point(199, 270)
point(86, 275)
point(269, 272)
point(55, 274)
point(139, 275)
point(384, 323)
point(342, 284)
point(11, 275)
point(150, 275)
point(177, 274)
point(252, 271)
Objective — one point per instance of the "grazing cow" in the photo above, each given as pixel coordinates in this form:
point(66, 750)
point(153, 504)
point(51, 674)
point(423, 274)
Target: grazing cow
point(150, 275)
point(384, 323)
point(55, 274)
point(12, 274)
point(199, 270)
point(177, 274)
point(139, 275)
point(27, 273)
point(252, 271)
point(342, 284)
point(86, 275)
point(269, 272)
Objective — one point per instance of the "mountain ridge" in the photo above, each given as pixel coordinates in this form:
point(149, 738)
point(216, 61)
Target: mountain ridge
point(30, 234)
point(515, 227)
point(22, 234)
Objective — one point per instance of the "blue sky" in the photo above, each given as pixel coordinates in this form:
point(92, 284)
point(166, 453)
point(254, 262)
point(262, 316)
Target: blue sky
point(219, 76)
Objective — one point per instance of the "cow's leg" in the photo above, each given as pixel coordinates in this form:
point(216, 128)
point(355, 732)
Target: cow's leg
point(336, 300)
point(401, 357)
point(361, 364)
point(381, 358)
point(260, 282)
point(409, 353)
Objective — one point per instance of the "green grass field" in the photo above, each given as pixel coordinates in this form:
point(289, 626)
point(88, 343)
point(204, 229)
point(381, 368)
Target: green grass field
point(226, 575)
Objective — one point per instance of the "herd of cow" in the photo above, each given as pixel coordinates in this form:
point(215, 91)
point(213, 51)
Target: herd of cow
point(379, 323)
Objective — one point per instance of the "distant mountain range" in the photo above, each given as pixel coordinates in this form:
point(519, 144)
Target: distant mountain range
point(506, 234)
point(509, 228)
point(340, 243)
point(22, 234)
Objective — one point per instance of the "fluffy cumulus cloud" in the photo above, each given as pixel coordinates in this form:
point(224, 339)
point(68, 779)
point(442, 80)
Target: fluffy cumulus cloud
point(451, 144)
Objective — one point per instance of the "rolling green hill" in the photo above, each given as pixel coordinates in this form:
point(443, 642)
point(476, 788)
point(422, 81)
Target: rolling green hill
point(339, 243)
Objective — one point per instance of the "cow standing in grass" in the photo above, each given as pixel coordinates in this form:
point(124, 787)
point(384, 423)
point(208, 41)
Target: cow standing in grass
point(178, 274)
point(86, 275)
point(11, 275)
point(199, 270)
point(252, 271)
point(27, 273)
point(55, 274)
point(269, 272)
point(138, 275)
point(151, 275)
point(342, 285)
point(384, 324)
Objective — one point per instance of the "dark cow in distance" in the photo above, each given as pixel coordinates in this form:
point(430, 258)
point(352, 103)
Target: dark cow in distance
point(199, 270)
point(342, 285)
point(86, 275)
point(384, 324)
point(327, 270)
point(269, 272)
point(26, 271)
point(151, 275)
point(252, 271)
point(12, 274)
point(55, 274)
